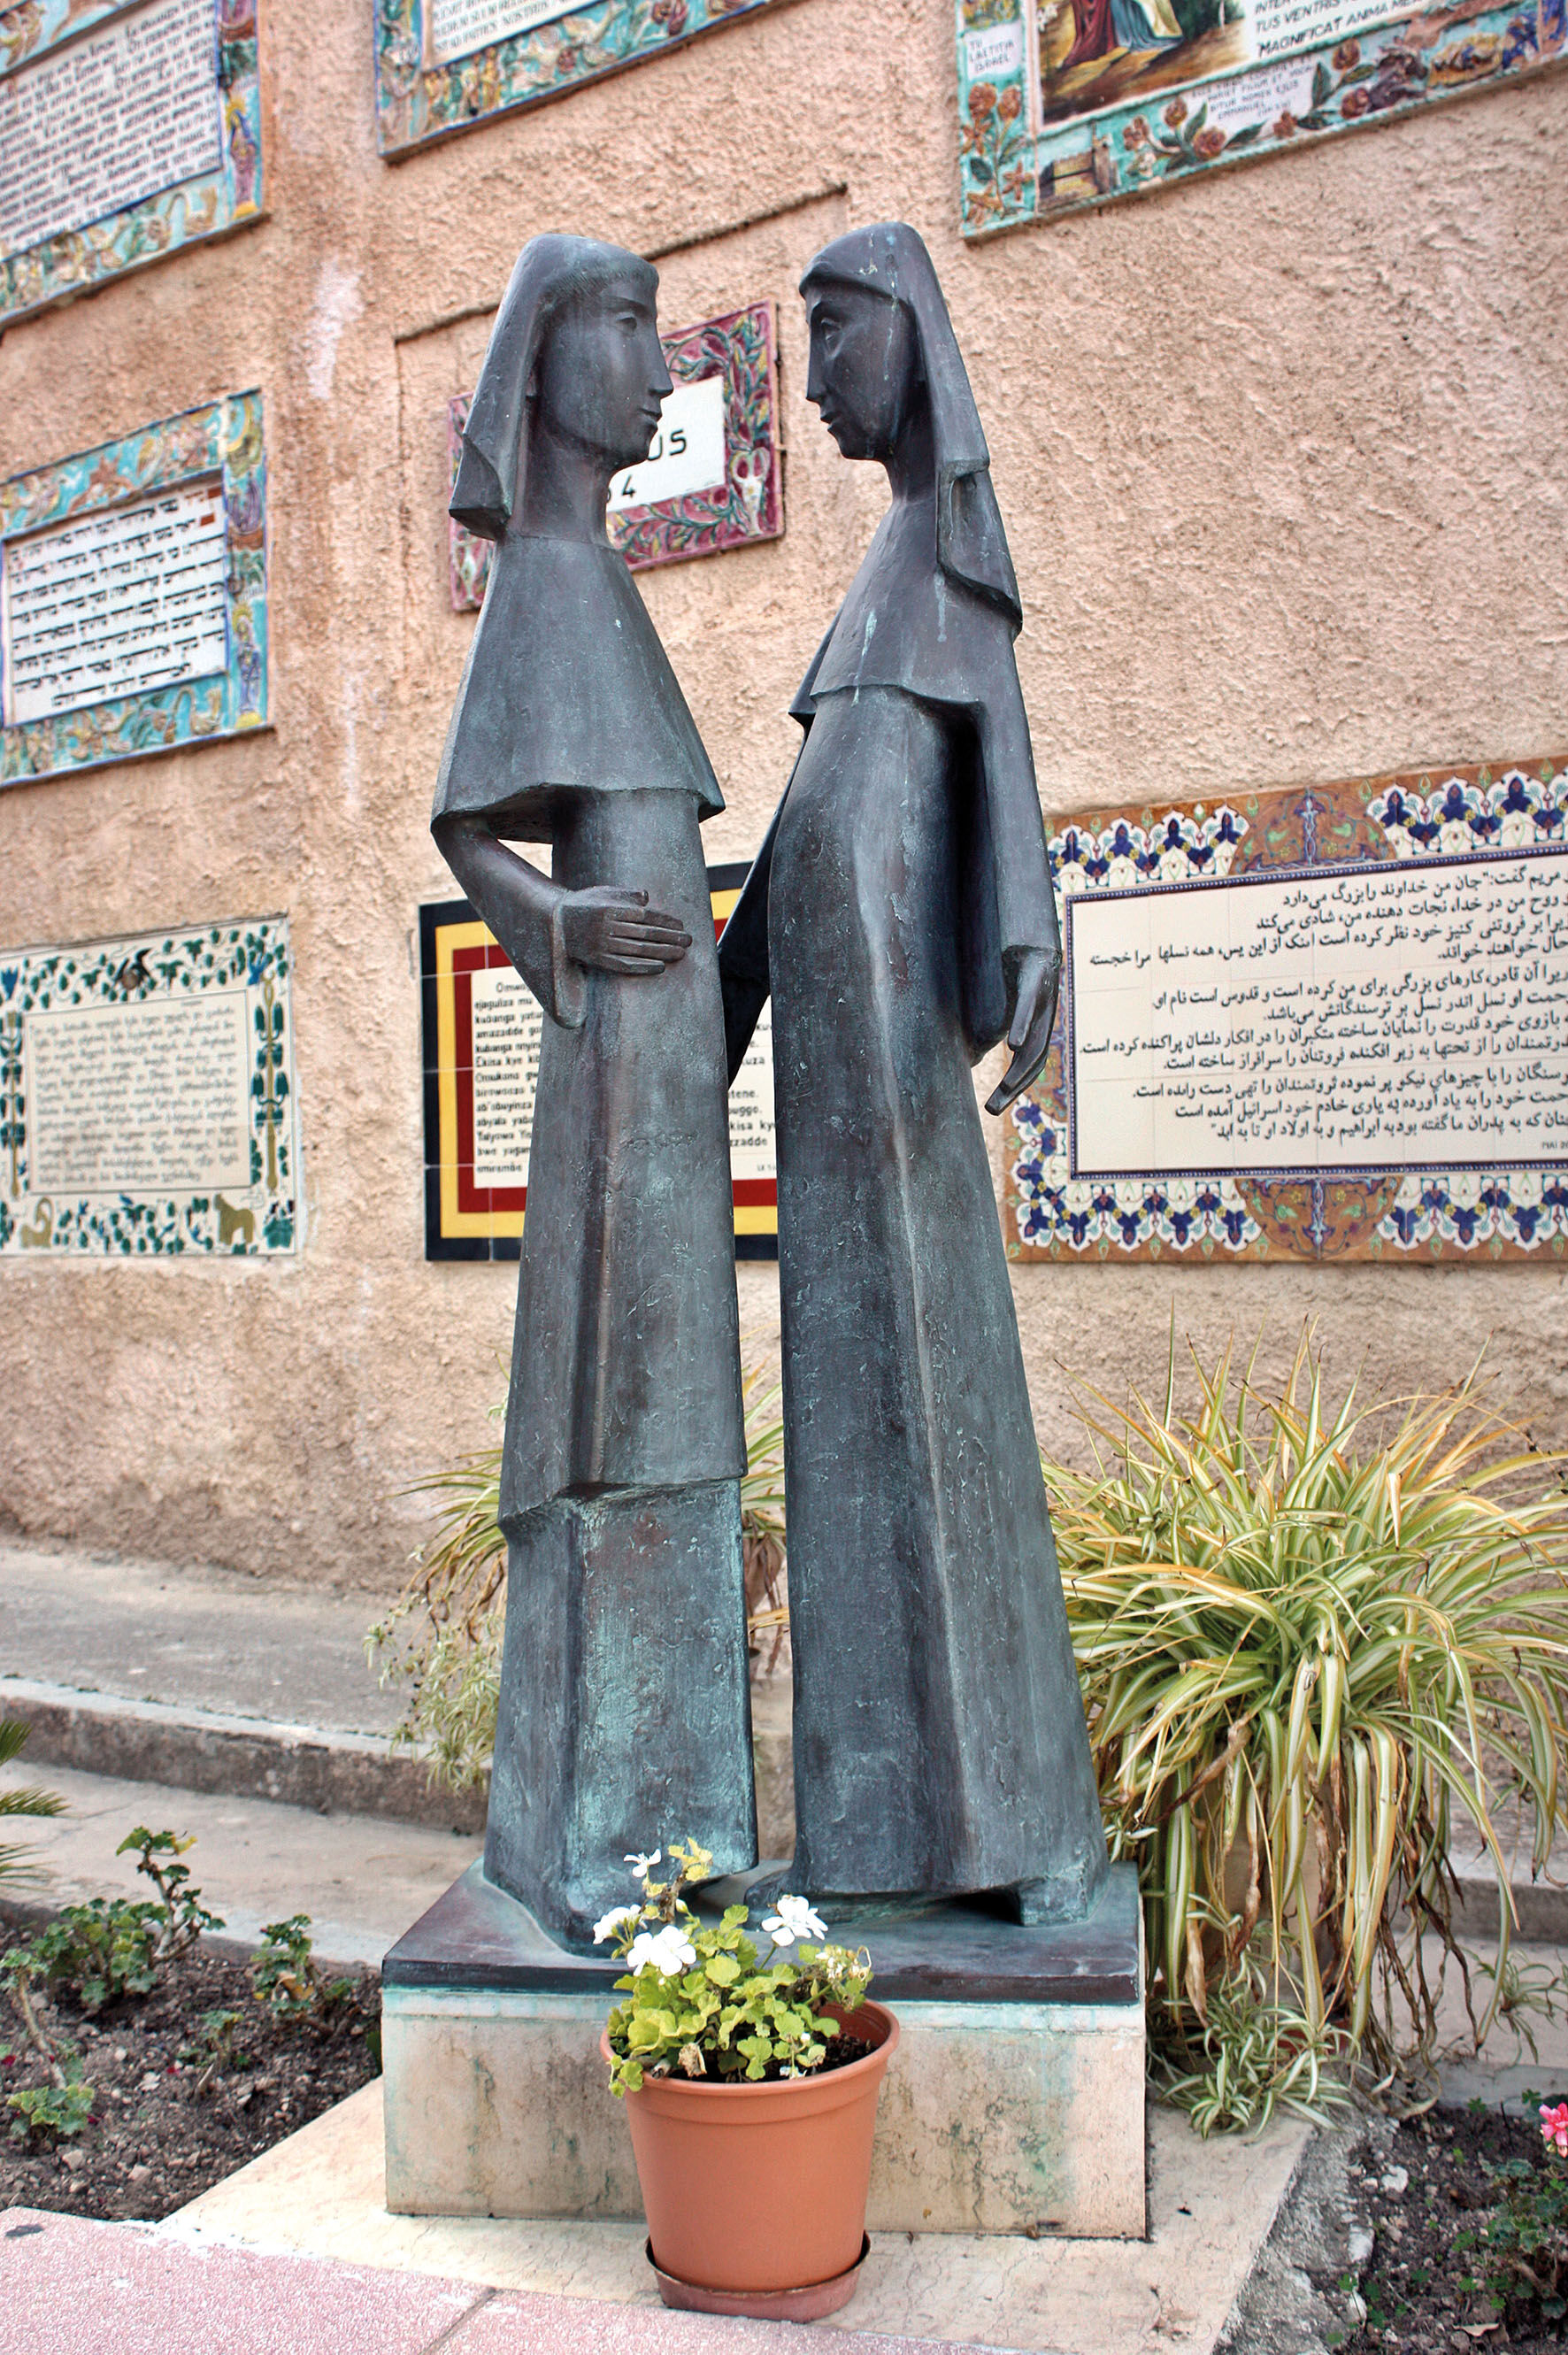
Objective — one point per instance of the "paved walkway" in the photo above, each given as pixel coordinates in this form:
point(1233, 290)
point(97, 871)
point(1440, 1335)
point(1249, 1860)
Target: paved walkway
point(194, 1638)
point(69, 2287)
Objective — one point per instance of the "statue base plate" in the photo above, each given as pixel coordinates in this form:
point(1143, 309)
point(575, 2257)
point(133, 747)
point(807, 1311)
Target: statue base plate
point(1016, 2105)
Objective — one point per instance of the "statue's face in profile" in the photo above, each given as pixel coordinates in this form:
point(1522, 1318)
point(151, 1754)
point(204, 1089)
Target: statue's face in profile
point(601, 377)
point(865, 374)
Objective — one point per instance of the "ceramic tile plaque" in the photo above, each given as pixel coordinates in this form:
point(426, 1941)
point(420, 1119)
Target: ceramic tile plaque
point(134, 595)
point(481, 1026)
point(711, 480)
point(125, 132)
point(147, 1096)
point(446, 65)
point(1317, 1025)
point(1064, 103)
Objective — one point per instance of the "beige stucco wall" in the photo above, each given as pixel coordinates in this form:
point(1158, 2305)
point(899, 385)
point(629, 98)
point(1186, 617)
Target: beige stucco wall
point(1281, 457)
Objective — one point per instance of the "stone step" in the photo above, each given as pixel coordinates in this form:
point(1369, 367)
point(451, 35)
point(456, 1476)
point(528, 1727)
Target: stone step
point(248, 1757)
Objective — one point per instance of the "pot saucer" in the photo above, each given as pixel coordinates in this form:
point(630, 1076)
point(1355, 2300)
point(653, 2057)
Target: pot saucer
point(807, 2305)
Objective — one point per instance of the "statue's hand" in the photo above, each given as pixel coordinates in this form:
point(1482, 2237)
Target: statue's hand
point(617, 931)
point(1034, 1012)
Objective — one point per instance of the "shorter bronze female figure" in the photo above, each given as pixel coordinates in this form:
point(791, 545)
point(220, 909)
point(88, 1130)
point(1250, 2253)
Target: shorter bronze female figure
point(624, 1713)
point(900, 913)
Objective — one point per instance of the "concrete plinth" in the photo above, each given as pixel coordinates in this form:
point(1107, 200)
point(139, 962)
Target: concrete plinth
point(1016, 2103)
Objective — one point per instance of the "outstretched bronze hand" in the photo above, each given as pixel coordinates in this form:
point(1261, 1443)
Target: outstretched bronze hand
point(617, 931)
point(1034, 1012)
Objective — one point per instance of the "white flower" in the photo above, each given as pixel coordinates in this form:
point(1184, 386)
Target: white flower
point(613, 1921)
point(670, 1950)
point(643, 1865)
point(794, 1919)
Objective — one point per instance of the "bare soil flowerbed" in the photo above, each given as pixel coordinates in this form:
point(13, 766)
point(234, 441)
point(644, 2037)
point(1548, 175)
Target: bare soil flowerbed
point(172, 2114)
point(1434, 2188)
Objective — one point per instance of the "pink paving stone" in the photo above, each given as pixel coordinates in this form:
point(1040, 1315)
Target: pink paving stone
point(71, 2288)
point(68, 2286)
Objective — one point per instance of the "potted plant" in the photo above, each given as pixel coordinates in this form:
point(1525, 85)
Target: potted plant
point(750, 2083)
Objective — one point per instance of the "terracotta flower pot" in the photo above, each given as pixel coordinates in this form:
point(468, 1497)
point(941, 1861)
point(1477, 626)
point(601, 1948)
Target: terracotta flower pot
point(754, 2191)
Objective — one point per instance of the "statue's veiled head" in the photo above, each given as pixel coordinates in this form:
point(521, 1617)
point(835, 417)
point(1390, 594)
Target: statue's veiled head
point(574, 361)
point(885, 364)
point(866, 378)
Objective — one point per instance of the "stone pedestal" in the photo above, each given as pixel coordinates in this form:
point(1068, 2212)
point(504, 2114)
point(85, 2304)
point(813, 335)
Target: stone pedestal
point(1016, 2102)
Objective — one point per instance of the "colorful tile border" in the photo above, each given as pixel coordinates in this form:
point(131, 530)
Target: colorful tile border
point(1015, 166)
point(467, 1220)
point(742, 348)
point(210, 206)
point(222, 439)
point(249, 960)
point(1392, 1216)
point(418, 100)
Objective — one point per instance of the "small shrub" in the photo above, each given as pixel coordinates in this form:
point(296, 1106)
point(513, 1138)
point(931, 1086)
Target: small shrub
point(114, 1947)
point(1525, 2241)
point(64, 2105)
point(1306, 1641)
point(58, 2110)
point(289, 1979)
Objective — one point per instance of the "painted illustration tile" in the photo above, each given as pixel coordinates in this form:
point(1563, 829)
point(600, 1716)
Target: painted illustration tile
point(1485, 834)
point(713, 479)
point(134, 595)
point(141, 136)
point(443, 66)
point(148, 1104)
point(1068, 103)
point(482, 1028)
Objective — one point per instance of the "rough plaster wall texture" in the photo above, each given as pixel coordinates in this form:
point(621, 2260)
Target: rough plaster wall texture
point(1280, 458)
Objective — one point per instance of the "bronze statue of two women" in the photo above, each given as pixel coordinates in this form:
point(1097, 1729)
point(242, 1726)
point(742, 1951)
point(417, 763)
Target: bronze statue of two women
point(900, 915)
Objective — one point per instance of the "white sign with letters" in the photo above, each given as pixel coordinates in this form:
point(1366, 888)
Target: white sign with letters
point(99, 125)
point(1407, 1015)
point(456, 28)
point(119, 602)
point(688, 453)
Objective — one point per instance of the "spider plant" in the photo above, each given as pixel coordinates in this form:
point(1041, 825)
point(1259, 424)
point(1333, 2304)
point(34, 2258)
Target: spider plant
point(1309, 1644)
point(16, 1865)
point(442, 1636)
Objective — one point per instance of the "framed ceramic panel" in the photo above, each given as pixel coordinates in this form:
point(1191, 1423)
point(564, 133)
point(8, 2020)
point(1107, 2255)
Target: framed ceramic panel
point(134, 595)
point(1068, 103)
point(147, 1105)
point(713, 479)
point(481, 1026)
point(126, 131)
point(443, 66)
point(1374, 1015)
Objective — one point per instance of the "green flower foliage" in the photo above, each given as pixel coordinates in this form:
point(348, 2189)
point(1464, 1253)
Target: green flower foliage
point(702, 2003)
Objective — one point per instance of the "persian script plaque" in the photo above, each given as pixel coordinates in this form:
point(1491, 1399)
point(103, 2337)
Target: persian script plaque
point(1409, 1015)
point(1308, 1023)
point(95, 127)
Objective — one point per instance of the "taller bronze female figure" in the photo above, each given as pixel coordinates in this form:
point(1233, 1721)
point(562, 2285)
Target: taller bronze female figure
point(900, 913)
point(624, 1717)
